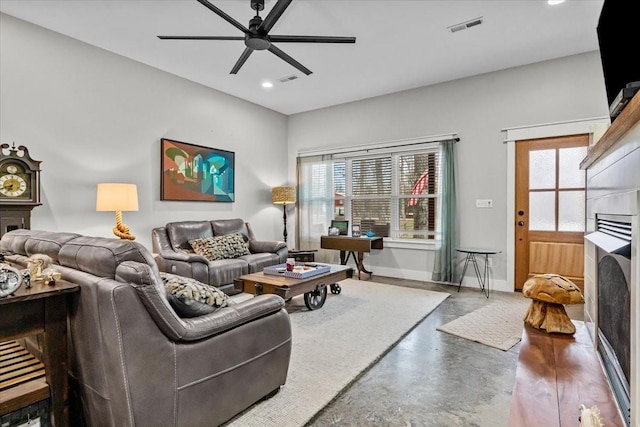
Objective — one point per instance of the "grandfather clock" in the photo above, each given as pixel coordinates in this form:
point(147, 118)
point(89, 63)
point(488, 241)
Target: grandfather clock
point(19, 187)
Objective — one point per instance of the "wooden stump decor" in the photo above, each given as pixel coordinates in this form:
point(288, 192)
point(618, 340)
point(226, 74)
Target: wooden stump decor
point(549, 293)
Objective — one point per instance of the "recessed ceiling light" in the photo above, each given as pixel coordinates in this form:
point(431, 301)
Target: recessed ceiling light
point(267, 85)
point(554, 2)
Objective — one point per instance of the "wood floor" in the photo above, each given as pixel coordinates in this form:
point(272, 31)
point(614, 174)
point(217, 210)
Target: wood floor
point(556, 374)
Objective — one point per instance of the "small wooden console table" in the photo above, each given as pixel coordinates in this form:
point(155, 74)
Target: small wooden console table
point(349, 246)
point(39, 309)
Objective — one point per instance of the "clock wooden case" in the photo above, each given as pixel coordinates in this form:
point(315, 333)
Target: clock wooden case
point(19, 187)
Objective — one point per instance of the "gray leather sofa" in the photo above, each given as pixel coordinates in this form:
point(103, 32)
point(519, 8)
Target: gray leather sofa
point(173, 252)
point(133, 361)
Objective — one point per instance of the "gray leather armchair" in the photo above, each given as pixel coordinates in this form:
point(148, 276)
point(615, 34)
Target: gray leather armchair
point(133, 361)
point(174, 254)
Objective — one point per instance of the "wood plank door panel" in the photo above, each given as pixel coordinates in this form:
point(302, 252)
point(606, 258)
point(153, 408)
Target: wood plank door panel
point(550, 208)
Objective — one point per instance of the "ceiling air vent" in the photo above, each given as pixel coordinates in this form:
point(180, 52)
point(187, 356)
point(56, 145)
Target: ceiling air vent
point(465, 25)
point(288, 78)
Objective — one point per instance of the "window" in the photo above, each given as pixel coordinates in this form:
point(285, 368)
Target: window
point(392, 194)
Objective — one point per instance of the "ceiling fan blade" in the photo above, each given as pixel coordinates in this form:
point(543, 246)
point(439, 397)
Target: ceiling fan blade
point(243, 58)
point(311, 39)
point(274, 14)
point(280, 54)
point(224, 16)
point(201, 37)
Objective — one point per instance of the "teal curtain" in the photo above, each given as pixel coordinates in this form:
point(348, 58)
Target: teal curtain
point(444, 266)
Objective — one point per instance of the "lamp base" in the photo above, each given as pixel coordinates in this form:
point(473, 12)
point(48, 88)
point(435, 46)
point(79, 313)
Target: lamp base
point(121, 230)
point(284, 218)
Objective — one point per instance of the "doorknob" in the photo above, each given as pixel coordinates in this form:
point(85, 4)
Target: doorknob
point(521, 223)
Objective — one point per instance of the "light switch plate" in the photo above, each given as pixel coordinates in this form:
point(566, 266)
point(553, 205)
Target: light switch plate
point(484, 203)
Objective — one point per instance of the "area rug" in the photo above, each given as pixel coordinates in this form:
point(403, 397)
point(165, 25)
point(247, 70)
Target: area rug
point(498, 324)
point(333, 345)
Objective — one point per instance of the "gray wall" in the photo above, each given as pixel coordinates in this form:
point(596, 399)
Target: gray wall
point(477, 108)
point(92, 116)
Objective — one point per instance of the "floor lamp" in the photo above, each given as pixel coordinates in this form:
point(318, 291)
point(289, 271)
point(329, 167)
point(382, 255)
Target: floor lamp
point(116, 198)
point(284, 196)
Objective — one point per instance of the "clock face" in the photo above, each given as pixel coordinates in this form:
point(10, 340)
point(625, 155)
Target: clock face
point(12, 185)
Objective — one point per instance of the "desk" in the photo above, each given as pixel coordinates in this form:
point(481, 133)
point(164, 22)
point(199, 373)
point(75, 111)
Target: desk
point(471, 258)
point(349, 246)
point(40, 309)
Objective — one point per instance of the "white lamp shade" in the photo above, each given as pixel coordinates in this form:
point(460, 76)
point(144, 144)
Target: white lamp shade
point(116, 197)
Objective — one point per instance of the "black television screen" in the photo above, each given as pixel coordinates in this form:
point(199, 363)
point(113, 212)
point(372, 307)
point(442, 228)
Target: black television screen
point(618, 39)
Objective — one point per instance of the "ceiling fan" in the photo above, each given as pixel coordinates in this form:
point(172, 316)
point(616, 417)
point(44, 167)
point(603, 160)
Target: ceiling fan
point(257, 36)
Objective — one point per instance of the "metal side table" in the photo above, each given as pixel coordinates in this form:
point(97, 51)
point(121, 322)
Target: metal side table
point(471, 258)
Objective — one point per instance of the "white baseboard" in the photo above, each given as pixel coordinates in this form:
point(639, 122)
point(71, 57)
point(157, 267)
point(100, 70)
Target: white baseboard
point(425, 276)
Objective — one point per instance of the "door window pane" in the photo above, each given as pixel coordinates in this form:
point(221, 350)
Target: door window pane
point(542, 169)
point(570, 174)
point(542, 211)
point(571, 211)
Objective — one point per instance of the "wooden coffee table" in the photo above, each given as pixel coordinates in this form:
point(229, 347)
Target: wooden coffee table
point(314, 288)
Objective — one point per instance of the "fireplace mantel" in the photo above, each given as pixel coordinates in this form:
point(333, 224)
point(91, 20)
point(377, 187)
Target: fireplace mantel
point(627, 119)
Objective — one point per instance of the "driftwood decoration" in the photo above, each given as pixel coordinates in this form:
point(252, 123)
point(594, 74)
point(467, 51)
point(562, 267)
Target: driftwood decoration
point(549, 293)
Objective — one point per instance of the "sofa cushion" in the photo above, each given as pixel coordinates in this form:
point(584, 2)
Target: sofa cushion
point(220, 247)
point(181, 232)
point(230, 226)
point(14, 241)
point(190, 298)
point(101, 256)
point(48, 243)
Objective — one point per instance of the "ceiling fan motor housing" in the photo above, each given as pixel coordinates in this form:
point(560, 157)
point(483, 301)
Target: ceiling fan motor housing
point(253, 39)
point(256, 42)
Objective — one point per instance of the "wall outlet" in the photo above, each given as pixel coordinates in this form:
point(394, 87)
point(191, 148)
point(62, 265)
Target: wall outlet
point(484, 203)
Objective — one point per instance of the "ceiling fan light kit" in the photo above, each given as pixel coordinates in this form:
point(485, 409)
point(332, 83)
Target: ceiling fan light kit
point(257, 36)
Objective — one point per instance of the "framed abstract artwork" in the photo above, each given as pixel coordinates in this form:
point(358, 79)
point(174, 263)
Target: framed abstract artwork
point(192, 172)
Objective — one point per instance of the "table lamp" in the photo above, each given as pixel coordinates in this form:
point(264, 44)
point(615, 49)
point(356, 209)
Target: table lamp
point(283, 196)
point(118, 197)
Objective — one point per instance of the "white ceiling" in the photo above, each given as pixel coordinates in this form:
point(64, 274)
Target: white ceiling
point(400, 44)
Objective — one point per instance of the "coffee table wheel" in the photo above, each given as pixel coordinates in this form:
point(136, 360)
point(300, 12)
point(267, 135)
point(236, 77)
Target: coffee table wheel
point(316, 298)
point(335, 288)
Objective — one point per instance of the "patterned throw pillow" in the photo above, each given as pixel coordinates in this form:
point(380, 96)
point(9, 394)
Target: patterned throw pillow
point(220, 247)
point(190, 298)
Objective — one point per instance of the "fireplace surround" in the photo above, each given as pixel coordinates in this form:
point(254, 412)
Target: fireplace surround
point(613, 238)
point(613, 188)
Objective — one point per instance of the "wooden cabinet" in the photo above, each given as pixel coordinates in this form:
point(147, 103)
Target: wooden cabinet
point(40, 309)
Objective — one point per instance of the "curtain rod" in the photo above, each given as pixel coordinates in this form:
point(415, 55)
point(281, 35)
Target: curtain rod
point(379, 145)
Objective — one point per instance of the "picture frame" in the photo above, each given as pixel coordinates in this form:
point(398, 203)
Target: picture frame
point(355, 230)
point(195, 173)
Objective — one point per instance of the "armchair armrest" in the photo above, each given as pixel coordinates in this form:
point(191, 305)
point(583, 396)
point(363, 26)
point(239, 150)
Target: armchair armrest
point(258, 246)
point(227, 318)
point(182, 256)
point(153, 295)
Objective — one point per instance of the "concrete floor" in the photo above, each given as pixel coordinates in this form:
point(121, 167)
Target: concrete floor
point(431, 378)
